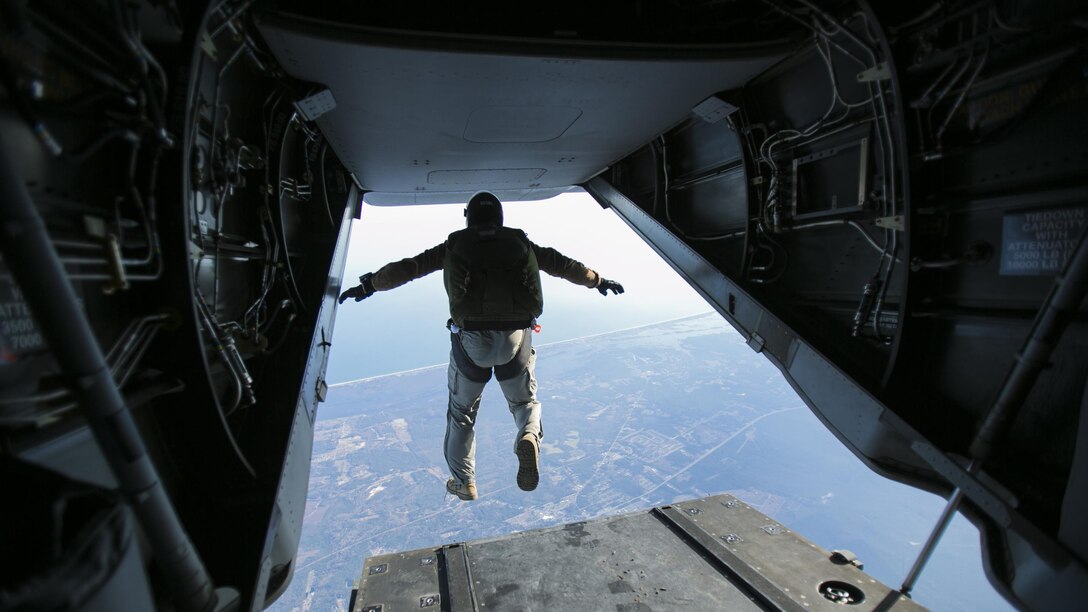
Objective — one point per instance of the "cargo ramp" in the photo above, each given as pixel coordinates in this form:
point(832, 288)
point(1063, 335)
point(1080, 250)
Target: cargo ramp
point(715, 553)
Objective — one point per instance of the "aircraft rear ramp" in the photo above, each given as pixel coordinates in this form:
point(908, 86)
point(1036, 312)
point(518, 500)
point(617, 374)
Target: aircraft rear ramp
point(715, 553)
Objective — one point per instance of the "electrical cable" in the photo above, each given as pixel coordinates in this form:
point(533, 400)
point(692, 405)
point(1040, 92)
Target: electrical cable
point(77, 56)
point(826, 55)
point(272, 348)
point(891, 198)
point(784, 136)
point(665, 176)
point(823, 43)
point(762, 233)
point(149, 210)
point(292, 285)
point(324, 185)
point(272, 245)
point(837, 222)
point(130, 36)
point(657, 181)
point(85, 151)
point(805, 24)
point(213, 144)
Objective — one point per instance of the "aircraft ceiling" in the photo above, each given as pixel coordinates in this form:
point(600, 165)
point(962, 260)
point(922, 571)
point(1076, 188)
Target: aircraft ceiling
point(421, 125)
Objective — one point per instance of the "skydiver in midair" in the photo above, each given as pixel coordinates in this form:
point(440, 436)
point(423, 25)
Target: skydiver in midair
point(492, 278)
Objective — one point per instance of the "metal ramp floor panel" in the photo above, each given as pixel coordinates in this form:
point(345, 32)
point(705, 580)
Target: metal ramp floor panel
point(715, 553)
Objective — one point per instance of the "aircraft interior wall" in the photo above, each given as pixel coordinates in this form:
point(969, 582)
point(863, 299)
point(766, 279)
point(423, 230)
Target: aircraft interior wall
point(909, 231)
point(202, 225)
point(878, 195)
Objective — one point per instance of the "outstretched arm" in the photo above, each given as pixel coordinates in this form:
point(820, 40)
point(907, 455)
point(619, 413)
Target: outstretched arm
point(556, 264)
point(397, 273)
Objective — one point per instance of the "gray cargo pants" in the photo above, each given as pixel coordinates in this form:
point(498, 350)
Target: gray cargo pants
point(472, 357)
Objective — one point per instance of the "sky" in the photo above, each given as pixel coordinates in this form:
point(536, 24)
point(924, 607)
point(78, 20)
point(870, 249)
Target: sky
point(405, 328)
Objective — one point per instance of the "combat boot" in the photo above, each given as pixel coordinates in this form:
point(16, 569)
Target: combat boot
point(467, 491)
point(528, 451)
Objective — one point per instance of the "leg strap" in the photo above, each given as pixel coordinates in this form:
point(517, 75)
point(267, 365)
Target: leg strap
point(520, 361)
point(465, 365)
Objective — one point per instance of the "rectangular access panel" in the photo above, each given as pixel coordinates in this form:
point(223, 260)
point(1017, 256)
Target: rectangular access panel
point(715, 553)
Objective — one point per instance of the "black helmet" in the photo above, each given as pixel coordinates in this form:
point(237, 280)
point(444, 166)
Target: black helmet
point(483, 209)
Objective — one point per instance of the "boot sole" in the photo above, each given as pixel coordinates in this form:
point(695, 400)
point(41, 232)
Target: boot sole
point(528, 470)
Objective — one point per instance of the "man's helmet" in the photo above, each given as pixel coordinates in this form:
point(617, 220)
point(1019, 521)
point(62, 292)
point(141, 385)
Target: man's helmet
point(483, 209)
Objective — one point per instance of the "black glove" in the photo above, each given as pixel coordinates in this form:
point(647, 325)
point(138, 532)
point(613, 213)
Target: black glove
point(606, 284)
point(361, 291)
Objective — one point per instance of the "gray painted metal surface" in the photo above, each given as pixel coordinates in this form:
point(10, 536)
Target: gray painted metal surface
point(715, 553)
point(526, 113)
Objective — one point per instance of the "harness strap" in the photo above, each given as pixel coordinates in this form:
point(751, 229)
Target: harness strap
point(497, 325)
point(466, 366)
point(520, 362)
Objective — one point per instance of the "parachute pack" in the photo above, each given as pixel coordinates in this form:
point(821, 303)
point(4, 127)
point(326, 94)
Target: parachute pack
point(492, 279)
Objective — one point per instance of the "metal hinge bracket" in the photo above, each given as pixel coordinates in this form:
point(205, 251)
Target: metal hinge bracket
point(755, 341)
point(895, 223)
point(880, 72)
point(208, 47)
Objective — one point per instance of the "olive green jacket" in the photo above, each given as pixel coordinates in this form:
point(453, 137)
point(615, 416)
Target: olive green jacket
point(549, 260)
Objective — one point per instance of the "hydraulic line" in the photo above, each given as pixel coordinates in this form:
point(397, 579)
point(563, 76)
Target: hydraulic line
point(228, 350)
point(35, 266)
point(887, 281)
point(125, 353)
point(120, 355)
point(111, 258)
point(963, 94)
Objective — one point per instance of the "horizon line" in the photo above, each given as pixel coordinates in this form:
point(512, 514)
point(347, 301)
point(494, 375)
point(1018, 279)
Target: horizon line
point(446, 363)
